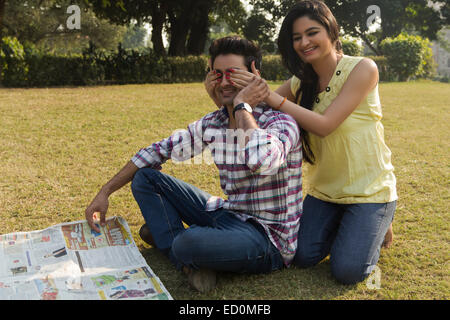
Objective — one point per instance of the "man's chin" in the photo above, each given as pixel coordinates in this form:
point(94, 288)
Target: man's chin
point(227, 101)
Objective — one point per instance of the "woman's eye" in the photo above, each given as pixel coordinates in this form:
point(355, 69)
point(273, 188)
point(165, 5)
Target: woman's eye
point(312, 33)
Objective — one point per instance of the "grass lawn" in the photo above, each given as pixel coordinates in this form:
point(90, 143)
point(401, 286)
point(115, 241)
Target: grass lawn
point(60, 145)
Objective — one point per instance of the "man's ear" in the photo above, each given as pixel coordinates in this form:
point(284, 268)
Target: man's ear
point(254, 70)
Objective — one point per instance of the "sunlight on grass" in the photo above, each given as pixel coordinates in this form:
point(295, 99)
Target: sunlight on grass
point(60, 145)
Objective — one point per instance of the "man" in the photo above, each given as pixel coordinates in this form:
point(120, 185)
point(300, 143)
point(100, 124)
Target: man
point(255, 229)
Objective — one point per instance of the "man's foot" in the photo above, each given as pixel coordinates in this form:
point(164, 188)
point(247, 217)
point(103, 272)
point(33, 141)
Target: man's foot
point(388, 238)
point(146, 236)
point(203, 280)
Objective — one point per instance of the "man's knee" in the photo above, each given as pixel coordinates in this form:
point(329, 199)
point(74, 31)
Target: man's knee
point(348, 272)
point(142, 178)
point(186, 244)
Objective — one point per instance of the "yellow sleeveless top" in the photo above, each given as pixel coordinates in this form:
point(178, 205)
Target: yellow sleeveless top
point(353, 163)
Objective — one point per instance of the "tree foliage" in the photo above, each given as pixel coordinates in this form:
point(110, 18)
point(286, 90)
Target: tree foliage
point(408, 56)
point(187, 22)
point(44, 24)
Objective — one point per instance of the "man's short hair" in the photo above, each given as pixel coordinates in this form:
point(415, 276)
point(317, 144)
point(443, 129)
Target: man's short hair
point(239, 46)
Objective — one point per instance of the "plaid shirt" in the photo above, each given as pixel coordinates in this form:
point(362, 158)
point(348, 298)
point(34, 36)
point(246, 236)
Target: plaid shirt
point(262, 179)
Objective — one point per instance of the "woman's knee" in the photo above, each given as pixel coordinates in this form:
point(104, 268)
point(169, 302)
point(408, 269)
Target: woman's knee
point(305, 258)
point(348, 272)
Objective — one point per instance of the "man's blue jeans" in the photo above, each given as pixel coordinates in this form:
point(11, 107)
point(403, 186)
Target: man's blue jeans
point(351, 233)
point(215, 240)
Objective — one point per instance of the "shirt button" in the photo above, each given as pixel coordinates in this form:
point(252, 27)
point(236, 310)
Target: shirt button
point(328, 89)
point(338, 72)
point(317, 100)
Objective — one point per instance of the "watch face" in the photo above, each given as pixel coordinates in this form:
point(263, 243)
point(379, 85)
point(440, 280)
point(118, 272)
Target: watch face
point(241, 106)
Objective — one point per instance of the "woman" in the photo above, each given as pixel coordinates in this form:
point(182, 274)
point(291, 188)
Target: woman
point(334, 98)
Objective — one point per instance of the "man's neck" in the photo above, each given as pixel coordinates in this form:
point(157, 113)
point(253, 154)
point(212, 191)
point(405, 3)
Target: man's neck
point(232, 120)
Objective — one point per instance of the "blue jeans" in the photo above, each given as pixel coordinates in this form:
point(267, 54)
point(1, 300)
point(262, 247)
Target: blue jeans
point(351, 233)
point(215, 240)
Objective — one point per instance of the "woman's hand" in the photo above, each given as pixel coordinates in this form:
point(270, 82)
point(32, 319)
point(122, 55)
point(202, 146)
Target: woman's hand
point(241, 78)
point(212, 80)
point(254, 93)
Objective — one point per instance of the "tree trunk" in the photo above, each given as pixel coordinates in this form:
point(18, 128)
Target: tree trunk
point(179, 29)
point(364, 38)
point(2, 15)
point(158, 18)
point(199, 29)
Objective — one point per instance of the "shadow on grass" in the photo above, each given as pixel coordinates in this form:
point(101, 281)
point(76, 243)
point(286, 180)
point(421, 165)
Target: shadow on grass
point(292, 283)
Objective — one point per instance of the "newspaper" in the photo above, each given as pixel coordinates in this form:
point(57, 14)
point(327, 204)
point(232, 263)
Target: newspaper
point(70, 261)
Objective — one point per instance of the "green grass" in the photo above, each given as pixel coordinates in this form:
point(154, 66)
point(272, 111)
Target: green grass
point(59, 145)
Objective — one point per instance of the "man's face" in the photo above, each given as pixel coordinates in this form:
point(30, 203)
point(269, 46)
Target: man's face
point(224, 90)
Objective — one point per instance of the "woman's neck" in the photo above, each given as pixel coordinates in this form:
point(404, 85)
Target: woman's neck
point(325, 68)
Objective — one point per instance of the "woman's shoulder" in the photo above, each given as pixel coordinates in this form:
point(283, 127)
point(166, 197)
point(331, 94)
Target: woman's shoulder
point(363, 63)
point(361, 72)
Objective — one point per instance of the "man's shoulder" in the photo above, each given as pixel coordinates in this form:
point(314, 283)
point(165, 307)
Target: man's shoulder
point(216, 114)
point(214, 117)
point(266, 115)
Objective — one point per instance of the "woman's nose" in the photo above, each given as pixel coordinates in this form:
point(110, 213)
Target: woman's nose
point(305, 41)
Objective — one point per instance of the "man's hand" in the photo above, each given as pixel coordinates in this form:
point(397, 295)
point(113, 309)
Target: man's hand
point(99, 204)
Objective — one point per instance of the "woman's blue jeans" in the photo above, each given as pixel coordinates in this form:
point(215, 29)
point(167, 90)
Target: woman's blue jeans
point(215, 240)
point(351, 233)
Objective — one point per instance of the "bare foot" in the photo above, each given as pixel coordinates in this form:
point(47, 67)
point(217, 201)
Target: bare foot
point(388, 238)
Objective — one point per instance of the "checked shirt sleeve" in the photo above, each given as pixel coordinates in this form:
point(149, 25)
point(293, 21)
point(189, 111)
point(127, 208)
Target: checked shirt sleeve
point(269, 145)
point(182, 145)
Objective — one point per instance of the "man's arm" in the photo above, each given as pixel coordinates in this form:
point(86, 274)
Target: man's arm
point(266, 148)
point(255, 92)
point(181, 145)
point(100, 203)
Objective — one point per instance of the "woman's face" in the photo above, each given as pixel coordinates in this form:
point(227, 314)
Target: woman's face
point(310, 40)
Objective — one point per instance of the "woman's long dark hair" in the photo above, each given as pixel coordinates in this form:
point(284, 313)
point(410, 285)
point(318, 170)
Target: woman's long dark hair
point(309, 80)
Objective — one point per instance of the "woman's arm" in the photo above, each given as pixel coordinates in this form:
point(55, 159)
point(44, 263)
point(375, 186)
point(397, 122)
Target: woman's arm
point(361, 80)
point(285, 91)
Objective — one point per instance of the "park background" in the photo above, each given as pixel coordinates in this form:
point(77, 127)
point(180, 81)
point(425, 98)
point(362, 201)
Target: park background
point(86, 84)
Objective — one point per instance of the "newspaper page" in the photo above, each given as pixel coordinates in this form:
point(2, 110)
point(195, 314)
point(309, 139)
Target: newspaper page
point(70, 261)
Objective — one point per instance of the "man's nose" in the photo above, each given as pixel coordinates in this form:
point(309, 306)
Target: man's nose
point(226, 81)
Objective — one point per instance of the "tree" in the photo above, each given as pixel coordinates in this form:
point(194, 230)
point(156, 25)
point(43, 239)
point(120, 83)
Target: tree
point(44, 24)
point(261, 30)
point(187, 22)
point(412, 16)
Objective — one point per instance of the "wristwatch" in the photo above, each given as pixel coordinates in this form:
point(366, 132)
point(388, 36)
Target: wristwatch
point(240, 106)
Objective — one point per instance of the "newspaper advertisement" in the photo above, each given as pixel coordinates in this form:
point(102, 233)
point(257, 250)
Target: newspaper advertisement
point(70, 261)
